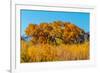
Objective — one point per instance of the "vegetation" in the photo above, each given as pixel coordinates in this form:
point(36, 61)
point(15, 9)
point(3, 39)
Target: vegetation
point(56, 41)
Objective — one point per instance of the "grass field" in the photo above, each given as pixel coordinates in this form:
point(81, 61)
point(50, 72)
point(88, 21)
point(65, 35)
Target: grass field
point(47, 52)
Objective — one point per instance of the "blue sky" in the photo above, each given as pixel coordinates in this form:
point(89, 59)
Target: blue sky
point(80, 19)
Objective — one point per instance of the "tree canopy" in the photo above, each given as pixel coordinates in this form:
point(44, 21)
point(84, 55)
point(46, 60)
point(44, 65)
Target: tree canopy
point(55, 33)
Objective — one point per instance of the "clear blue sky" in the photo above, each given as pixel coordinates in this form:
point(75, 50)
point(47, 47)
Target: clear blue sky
point(80, 19)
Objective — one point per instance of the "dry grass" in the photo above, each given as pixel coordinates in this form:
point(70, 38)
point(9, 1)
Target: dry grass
point(47, 52)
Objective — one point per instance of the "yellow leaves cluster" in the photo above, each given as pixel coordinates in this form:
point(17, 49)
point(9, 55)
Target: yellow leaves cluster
point(30, 29)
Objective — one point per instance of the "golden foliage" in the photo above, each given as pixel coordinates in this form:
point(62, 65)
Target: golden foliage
point(30, 29)
point(57, 29)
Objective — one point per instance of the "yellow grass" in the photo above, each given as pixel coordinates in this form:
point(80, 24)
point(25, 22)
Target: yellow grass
point(47, 52)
